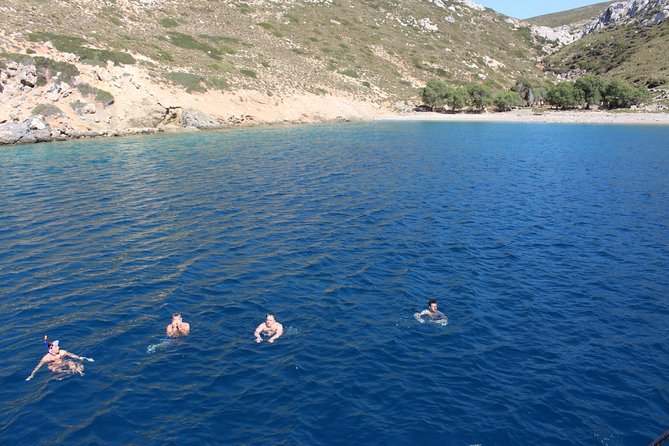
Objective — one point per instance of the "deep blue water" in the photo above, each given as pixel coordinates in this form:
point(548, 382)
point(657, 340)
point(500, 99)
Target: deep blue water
point(546, 245)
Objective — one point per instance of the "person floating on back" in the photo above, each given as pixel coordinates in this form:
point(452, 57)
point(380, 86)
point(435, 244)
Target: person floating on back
point(178, 327)
point(432, 313)
point(55, 357)
point(270, 328)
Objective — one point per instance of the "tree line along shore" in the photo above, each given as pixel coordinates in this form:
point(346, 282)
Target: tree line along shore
point(587, 92)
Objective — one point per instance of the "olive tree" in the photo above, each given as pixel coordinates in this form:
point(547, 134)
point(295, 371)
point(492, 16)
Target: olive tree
point(592, 87)
point(434, 93)
point(565, 95)
point(480, 96)
point(621, 94)
point(507, 100)
point(457, 98)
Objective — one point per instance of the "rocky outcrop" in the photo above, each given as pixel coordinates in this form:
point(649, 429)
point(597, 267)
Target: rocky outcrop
point(644, 12)
point(199, 120)
point(33, 129)
point(27, 73)
point(147, 114)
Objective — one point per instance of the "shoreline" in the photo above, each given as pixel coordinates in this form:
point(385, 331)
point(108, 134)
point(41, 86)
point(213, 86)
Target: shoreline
point(526, 116)
point(548, 116)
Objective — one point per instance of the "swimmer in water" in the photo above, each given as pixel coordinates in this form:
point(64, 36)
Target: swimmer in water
point(178, 327)
point(55, 357)
point(270, 328)
point(432, 313)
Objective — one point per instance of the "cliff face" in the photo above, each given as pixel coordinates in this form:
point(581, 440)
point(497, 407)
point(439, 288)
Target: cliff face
point(642, 12)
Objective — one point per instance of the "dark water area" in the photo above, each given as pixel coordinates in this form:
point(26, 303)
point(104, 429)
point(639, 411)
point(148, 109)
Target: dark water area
point(546, 245)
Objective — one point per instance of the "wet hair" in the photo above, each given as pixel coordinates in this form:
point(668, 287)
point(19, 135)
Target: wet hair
point(176, 315)
point(431, 301)
point(270, 314)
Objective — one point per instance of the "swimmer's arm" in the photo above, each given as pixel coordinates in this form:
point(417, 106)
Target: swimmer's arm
point(40, 364)
point(279, 332)
point(71, 355)
point(81, 358)
point(257, 333)
point(418, 316)
point(184, 328)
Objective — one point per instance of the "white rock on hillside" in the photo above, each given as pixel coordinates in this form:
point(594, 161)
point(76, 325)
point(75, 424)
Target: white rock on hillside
point(563, 35)
point(646, 12)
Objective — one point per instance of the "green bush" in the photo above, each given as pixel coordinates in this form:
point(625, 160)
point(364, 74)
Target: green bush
point(592, 87)
point(47, 110)
point(194, 83)
point(248, 73)
point(244, 8)
point(221, 39)
point(350, 73)
point(191, 82)
point(480, 96)
point(163, 56)
point(168, 22)
point(65, 71)
point(434, 93)
point(218, 83)
point(75, 45)
point(507, 100)
point(12, 56)
point(190, 43)
point(102, 96)
point(565, 95)
point(621, 94)
point(457, 98)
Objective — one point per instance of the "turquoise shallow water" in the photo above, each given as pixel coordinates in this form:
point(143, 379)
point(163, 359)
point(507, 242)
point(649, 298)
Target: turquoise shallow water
point(546, 245)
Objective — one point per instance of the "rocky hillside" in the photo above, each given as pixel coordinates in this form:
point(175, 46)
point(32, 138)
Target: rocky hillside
point(583, 15)
point(629, 40)
point(562, 28)
point(635, 12)
point(111, 65)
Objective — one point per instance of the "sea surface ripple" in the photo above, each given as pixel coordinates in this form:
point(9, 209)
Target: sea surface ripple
point(546, 245)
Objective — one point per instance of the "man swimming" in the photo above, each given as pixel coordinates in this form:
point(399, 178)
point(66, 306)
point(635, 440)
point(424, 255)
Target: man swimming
point(178, 327)
point(55, 357)
point(269, 328)
point(432, 313)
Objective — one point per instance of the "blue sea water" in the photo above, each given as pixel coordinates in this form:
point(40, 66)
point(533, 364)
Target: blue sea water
point(546, 245)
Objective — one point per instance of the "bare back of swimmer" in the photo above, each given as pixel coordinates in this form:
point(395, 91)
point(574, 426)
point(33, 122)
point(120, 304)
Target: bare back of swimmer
point(177, 327)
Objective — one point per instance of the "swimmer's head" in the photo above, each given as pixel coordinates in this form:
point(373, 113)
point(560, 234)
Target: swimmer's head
point(269, 319)
point(432, 305)
point(176, 317)
point(53, 347)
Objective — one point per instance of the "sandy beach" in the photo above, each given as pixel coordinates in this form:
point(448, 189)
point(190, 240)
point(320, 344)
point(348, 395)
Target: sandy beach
point(554, 116)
